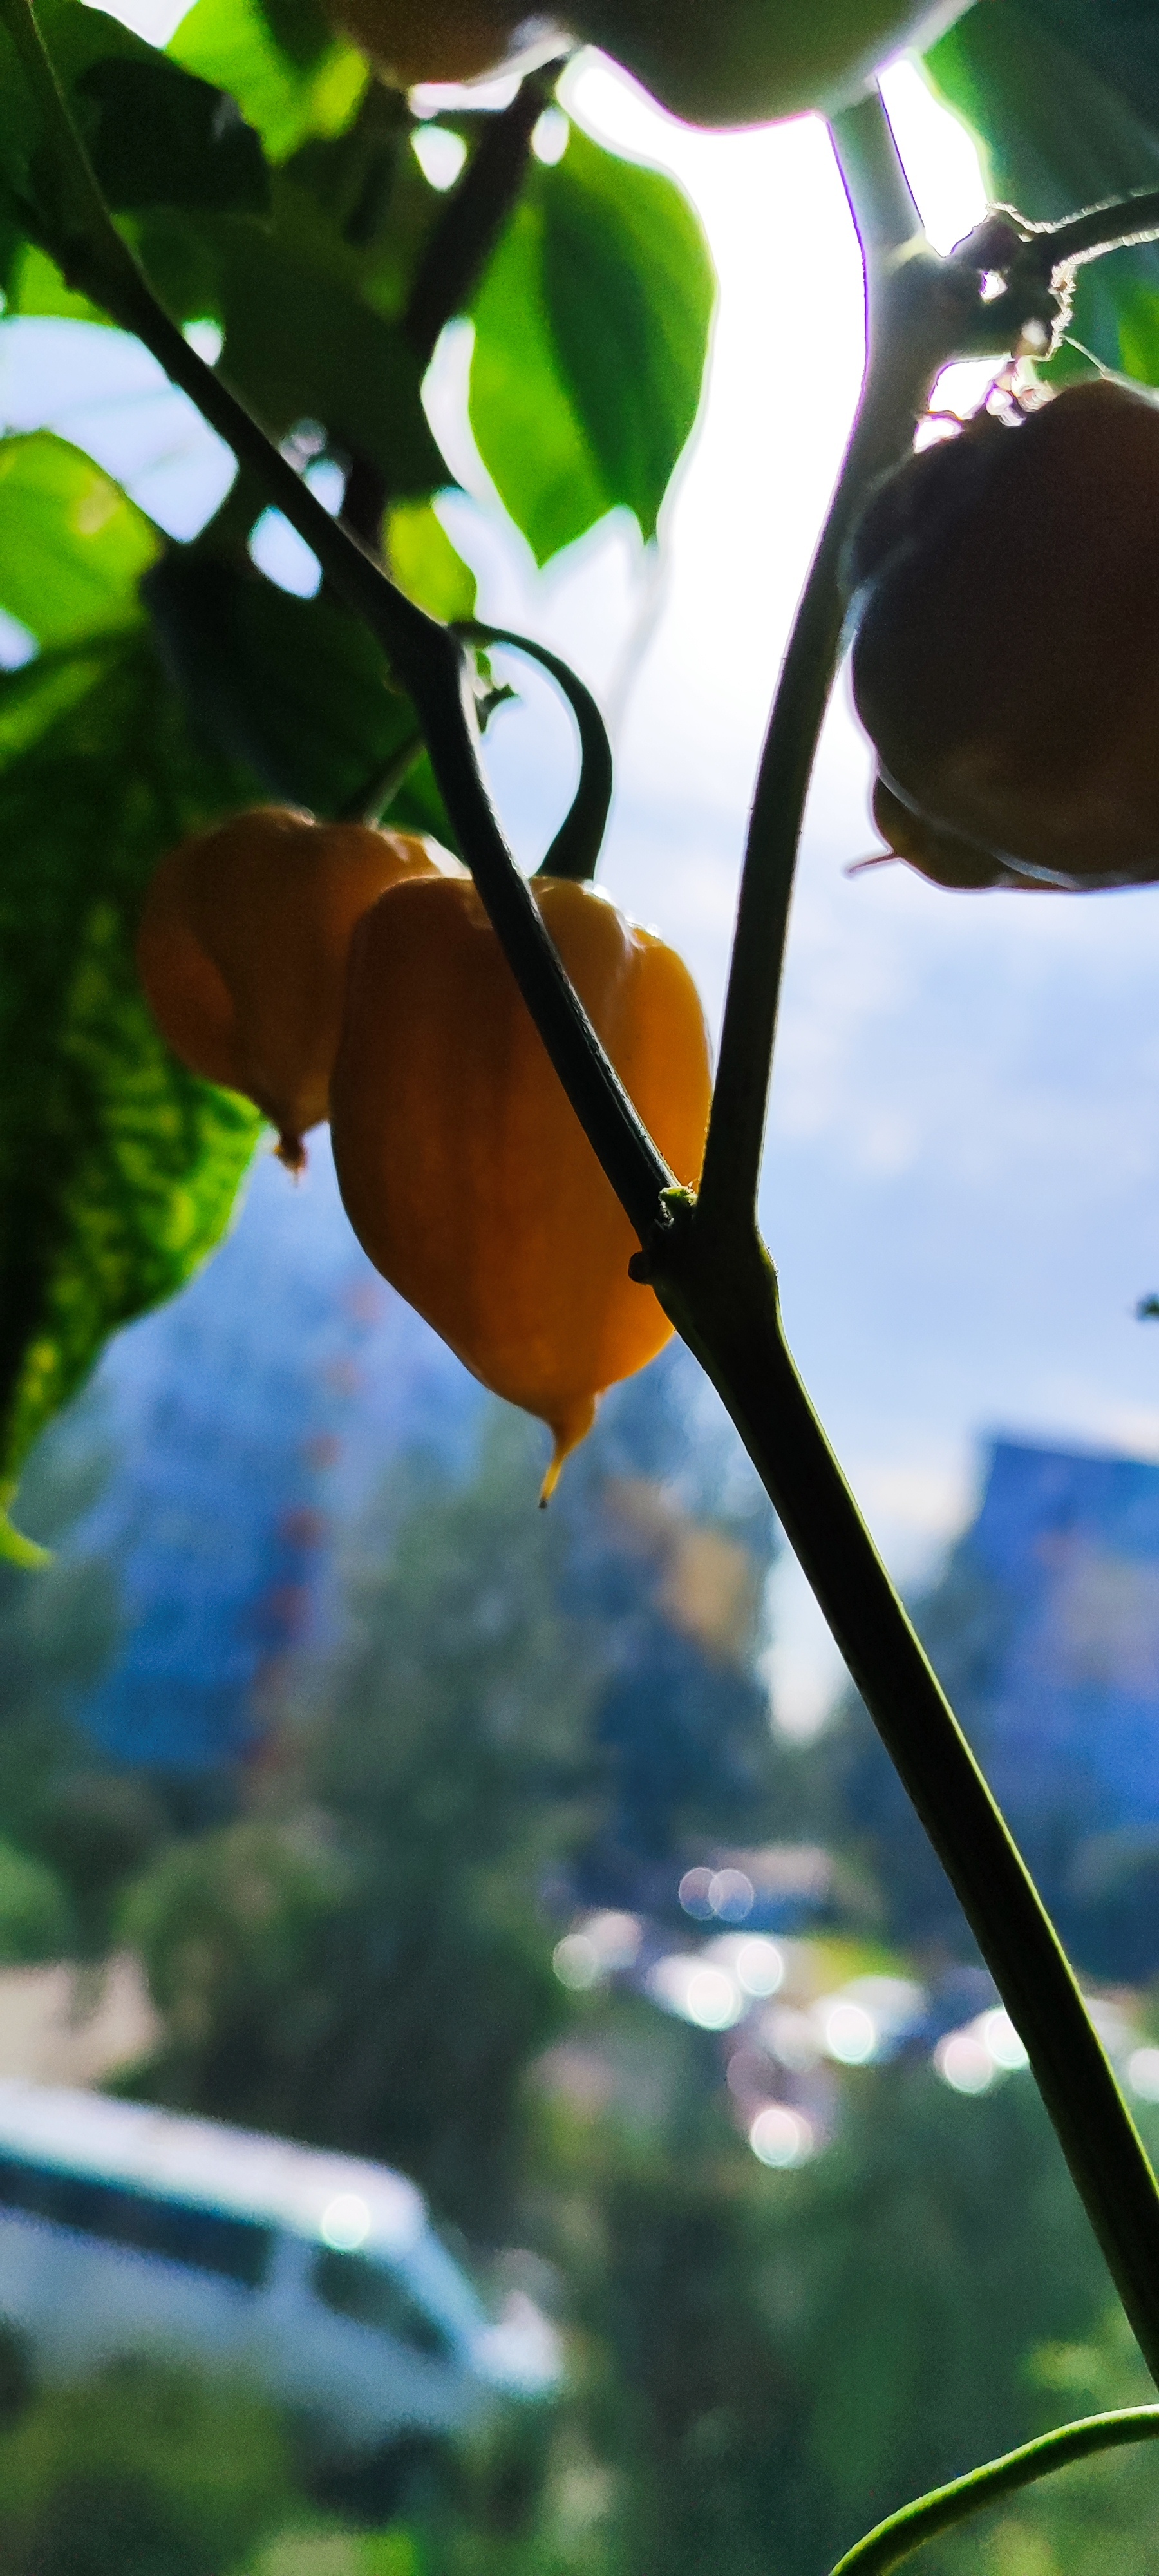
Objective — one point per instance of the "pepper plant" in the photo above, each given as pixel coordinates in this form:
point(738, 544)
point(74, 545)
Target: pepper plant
point(254, 176)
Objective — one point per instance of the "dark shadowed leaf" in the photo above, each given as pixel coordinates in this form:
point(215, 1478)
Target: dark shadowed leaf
point(591, 332)
point(295, 688)
point(301, 344)
point(161, 138)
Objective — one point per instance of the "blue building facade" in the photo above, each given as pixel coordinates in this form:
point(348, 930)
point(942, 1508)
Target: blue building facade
point(1045, 1631)
point(1072, 1729)
point(246, 1422)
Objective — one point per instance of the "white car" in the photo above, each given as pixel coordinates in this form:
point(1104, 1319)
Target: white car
point(125, 2229)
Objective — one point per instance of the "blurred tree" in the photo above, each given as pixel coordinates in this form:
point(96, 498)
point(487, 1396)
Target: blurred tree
point(72, 1828)
point(142, 2471)
point(362, 1964)
point(363, 1961)
point(768, 2362)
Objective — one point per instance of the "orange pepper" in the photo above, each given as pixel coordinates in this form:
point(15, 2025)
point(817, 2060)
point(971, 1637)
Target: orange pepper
point(464, 1169)
point(242, 951)
point(1006, 660)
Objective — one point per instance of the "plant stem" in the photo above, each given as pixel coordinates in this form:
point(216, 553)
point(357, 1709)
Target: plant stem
point(474, 214)
point(1099, 228)
point(431, 660)
point(453, 260)
point(576, 848)
point(915, 309)
point(895, 2540)
point(722, 1296)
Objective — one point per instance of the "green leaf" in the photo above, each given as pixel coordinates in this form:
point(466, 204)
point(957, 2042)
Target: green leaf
point(283, 86)
point(162, 138)
point(1065, 117)
point(591, 334)
point(301, 344)
point(158, 139)
point(36, 286)
point(118, 1169)
point(426, 565)
point(295, 688)
point(72, 546)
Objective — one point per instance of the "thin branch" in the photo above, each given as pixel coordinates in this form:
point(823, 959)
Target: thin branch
point(896, 2539)
point(453, 261)
point(875, 180)
point(377, 792)
point(915, 306)
point(1115, 226)
point(474, 215)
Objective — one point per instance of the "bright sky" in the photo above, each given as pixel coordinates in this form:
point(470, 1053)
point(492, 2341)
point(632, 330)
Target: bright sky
point(962, 1181)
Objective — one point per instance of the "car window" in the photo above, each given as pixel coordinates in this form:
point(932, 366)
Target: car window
point(207, 2240)
point(354, 2286)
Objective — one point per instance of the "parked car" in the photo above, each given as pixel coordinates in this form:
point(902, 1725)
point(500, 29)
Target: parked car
point(125, 2229)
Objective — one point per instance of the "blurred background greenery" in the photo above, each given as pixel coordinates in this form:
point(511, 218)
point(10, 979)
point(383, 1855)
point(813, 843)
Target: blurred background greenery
point(348, 1938)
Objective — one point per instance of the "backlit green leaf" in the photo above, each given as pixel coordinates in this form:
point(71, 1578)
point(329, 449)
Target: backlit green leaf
point(72, 547)
point(286, 92)
point(426, 565)
point(591, 333)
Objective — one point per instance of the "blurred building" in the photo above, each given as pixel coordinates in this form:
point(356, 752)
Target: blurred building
point(1045, 1630)
point(242, 1422)
point(256, 1419)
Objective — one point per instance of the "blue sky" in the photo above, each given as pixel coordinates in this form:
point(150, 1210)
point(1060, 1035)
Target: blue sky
point(962, 1180)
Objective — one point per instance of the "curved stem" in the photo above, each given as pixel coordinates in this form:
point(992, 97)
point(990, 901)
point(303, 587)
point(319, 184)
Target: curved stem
point(576, 848)
point(894, 2540)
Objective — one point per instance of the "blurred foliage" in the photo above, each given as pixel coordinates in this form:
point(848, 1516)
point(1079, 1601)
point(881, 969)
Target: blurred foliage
point(141, 2471)
point(361, 1965)
point(72, 1830)
point(362, 1959)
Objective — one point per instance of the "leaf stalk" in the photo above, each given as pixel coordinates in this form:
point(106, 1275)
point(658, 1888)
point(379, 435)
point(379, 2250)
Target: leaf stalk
point(896, 2539)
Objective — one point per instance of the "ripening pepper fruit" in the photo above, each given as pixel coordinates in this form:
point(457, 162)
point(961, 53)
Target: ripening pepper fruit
point(1006, 655)
point(411, 41)
point(746, 62)
point(714, 62)
point(242, 951)
point(464, 1169)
